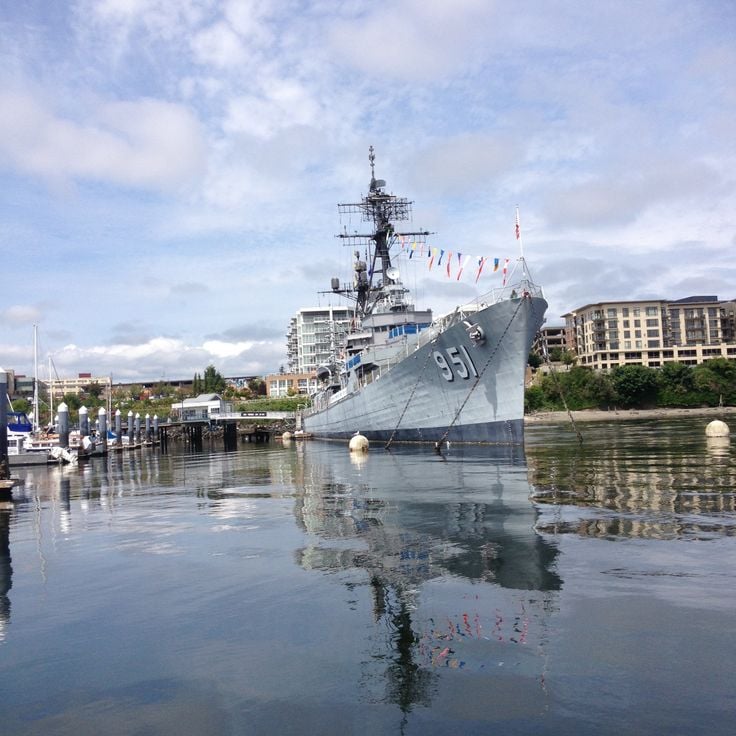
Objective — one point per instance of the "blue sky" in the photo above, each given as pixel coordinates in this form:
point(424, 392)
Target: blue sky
point(170, 169)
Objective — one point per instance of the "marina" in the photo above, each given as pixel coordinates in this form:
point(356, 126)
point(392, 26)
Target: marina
point(300, 588)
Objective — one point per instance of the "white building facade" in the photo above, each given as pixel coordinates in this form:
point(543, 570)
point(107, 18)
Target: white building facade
point(315, 333)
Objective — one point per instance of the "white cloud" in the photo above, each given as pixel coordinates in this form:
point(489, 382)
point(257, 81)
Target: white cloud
point(219, 46)
point(20, 315)
point(145, 143)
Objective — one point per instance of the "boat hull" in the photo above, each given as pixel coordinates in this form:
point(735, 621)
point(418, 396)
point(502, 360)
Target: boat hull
point(451, 388)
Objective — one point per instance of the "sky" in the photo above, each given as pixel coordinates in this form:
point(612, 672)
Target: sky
point(170, 169)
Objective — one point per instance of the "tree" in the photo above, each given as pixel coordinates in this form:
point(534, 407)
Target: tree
point(635, 385)
point(555, 355)
point(569, 357)
point(534, 361)
point(93, 389)
point(213, 381)
point(73, 402)
point(716, 379)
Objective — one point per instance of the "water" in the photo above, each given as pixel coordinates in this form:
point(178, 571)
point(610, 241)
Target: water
point(300, 590)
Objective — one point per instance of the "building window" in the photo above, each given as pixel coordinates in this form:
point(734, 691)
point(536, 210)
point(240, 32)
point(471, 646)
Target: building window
point(611, 312)
point(625, 311)
point(637, 323)
point(627, 333)
point(652, 322)
point(652, 311)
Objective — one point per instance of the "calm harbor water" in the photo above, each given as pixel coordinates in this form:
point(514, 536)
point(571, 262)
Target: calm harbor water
point(300, 590)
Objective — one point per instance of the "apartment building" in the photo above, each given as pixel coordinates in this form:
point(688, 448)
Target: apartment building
point(59, 387)
point(313, 335)
point(290, 384)
point(652, 332)
point(549, 338)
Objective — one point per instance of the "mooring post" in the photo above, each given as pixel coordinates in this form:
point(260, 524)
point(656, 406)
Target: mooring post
point(131, 428)
point(63, 425)
point(83, 421)
point(118, 430)
point(137, 428)
point(102, 422)
point(4, 464)
point(148, 427)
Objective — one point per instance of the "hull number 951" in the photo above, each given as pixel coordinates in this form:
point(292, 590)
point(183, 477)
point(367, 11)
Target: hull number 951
point(459, 363)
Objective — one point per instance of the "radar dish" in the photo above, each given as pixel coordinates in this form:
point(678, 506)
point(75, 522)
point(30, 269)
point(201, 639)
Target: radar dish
point(393, 273)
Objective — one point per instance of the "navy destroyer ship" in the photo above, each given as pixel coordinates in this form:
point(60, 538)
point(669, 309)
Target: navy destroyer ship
point(402, 376)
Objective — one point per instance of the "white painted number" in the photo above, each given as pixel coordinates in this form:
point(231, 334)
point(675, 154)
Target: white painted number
point(444, 367)
point(463, 367)
point(454, 355)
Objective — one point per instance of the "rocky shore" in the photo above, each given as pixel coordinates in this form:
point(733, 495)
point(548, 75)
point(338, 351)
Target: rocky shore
point(612, 415)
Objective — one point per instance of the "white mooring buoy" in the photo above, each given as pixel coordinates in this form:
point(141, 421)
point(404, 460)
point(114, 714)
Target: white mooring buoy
point(358, 443)
point(717, 428)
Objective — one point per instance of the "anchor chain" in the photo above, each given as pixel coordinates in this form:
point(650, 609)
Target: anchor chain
point(558, 386)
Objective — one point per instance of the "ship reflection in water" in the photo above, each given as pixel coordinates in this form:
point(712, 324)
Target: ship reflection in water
point(420, 527)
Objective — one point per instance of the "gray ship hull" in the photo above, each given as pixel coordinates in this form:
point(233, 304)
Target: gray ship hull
point(450, 388)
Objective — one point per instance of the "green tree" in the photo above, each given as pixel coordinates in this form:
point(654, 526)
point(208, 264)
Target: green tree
point(534, 361)
point(635, 385)
point(73, 402)
point(569, 357)
point(94, 390)
point(716, 380)
point(213, 381)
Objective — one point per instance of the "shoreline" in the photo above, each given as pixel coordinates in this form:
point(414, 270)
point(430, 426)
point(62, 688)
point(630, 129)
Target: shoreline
point(615, 415)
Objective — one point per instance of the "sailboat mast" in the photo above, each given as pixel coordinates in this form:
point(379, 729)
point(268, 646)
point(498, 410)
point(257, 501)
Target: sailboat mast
point(35, 378)
point(51, 395)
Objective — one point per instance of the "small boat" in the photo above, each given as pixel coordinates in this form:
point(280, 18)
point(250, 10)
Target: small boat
point(19, 455)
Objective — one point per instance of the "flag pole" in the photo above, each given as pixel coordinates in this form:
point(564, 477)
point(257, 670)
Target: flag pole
point(521, 243)
point(518, 233)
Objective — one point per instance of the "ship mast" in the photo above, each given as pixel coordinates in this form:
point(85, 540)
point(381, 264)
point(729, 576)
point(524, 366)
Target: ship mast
point(382, 210)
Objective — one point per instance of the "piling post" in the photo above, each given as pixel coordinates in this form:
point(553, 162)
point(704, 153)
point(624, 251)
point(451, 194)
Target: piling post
point(63, 425)
point(119, 428)
point(230, 436)
point(155, 428)
point(102, 421)
point(137, 425)
point(4, 464)
point(148, 427)
point(83, 421)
